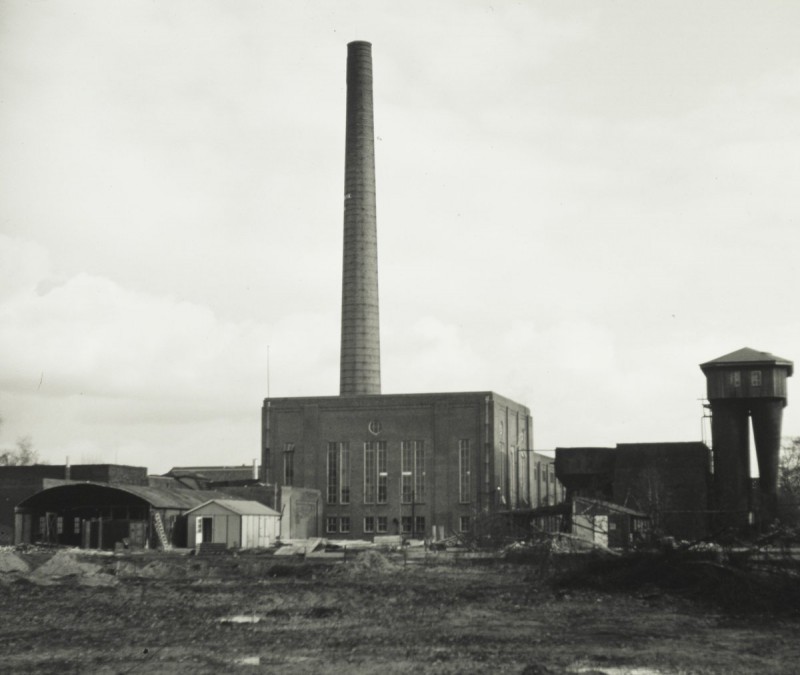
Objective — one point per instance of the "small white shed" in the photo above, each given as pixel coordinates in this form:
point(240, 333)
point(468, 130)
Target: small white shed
point(235, 523)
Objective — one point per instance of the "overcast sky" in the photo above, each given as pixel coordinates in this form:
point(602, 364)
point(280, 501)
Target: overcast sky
point(578, 203)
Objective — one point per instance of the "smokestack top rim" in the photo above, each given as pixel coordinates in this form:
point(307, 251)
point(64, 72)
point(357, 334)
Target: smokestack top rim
point(359, 43)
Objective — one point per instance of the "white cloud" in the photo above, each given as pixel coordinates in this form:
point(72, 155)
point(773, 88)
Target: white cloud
point(576, 205)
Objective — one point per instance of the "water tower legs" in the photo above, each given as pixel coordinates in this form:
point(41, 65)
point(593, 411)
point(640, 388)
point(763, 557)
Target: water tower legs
point(767, 417)
point(730, 431)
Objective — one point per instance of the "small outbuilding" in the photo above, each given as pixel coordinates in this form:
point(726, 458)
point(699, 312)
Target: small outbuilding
point(235, 523)
point(608, 524)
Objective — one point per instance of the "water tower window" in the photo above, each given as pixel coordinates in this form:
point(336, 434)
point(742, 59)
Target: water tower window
point(755, 378)
point(735, 379)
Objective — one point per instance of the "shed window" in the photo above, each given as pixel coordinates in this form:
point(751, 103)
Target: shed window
point(735, 379)
point(755, 378)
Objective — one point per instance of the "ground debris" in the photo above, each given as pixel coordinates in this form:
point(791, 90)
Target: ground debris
point(11, 562)
point(65, 563)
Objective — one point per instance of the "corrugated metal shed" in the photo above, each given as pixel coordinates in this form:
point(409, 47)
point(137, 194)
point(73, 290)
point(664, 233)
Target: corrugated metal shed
point(158, 497)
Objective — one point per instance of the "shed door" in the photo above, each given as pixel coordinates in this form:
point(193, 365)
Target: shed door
point(208, 529)
point(601, 530)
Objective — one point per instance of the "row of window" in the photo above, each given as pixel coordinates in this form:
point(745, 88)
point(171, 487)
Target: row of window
point(412, 471)
point(735, 378)
point(412, 468)
point(380, 524)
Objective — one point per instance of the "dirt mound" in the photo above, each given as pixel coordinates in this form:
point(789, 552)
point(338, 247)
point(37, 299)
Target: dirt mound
point(11, 562)
point(65, 564)
point(370, 562)
point(155, 569)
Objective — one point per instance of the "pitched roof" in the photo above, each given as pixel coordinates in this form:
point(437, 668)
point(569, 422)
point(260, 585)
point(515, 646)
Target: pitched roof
point(747, 356)
point(242, 507)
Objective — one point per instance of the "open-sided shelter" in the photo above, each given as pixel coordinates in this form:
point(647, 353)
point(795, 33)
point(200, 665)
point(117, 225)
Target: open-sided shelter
point(99, 515)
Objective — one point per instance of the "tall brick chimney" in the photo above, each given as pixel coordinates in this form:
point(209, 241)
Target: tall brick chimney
point(360, 371)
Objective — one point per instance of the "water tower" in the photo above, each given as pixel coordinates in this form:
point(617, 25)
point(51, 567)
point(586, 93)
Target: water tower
point(746, 384)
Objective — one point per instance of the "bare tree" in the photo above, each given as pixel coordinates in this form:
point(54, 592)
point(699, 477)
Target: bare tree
point(789, 482)
point(22, 455)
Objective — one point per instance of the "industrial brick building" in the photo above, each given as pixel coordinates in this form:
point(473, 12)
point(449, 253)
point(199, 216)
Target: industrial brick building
point(421, 464)
point(406, 462)
point(670, 482)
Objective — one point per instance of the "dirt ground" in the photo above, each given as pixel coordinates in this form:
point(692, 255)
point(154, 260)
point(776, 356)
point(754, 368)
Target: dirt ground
point(72, 612)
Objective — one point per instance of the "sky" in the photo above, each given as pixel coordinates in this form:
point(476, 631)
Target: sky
point(578, 203)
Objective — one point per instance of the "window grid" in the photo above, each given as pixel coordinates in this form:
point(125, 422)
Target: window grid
point(344, 474)
point(419, 525)
point(338, 487)
point(412, 467)
point(333, 473)
point(383, 476)
point(370, 473)
point(375, 477)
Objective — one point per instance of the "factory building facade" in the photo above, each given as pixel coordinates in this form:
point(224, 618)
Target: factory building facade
point(421, 465)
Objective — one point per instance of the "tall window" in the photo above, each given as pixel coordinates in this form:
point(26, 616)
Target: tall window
point(344, 474)
point(338, 473)
point(333, 472)
point(412, 466)
point(288, 463)
point(375, 472)
point(383, 476)
point(464, 469)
